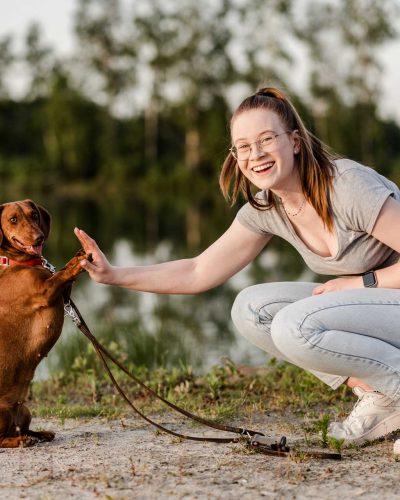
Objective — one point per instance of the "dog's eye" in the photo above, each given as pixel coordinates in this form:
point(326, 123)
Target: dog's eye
point(13, 220)
point(35, 216)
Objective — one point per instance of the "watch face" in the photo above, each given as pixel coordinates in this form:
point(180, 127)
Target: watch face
point(369, 279)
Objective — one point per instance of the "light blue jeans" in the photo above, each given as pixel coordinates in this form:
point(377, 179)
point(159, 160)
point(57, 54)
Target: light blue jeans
point(350, 333)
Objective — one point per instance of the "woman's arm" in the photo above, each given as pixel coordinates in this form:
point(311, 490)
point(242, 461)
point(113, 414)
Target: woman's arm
point(229, 254)
point(386, 230)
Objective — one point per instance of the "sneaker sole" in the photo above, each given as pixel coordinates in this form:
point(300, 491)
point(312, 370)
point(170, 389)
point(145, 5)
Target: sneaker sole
point(382, 429)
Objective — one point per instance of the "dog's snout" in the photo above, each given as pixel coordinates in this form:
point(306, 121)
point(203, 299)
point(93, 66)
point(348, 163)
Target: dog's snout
point(39, 240)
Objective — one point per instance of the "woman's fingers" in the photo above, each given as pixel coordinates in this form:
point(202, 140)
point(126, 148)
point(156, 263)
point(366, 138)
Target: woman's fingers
point(99, 268)
point(87, 242)
point(88, 265)
point(89, 245)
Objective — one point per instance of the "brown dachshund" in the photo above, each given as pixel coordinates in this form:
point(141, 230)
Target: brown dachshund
point(31, 313)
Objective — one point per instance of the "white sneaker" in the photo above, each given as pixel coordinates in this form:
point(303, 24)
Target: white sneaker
point(373, 416)
point(396, 447)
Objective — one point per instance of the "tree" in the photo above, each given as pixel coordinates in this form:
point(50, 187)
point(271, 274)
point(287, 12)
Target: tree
point(7, 57)
point(38, 60)
point(108, 61)
point(343, 38)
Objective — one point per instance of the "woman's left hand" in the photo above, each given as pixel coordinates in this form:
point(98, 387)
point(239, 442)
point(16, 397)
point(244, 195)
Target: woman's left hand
point(339, 284)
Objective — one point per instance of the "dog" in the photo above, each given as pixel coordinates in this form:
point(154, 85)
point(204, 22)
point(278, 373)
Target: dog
point(31, 313)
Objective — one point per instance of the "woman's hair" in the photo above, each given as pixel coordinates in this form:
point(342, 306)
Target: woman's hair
point(314, 160)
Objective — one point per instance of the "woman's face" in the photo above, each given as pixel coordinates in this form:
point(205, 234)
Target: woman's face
point(260, 135)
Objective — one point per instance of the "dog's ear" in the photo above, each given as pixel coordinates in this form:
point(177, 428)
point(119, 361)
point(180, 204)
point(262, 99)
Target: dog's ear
point(45, 218)
point(1, 232)
point(45, 221)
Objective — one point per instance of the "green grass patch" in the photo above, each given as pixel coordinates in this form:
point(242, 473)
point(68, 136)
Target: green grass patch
point(224, 393)
point(74, 411)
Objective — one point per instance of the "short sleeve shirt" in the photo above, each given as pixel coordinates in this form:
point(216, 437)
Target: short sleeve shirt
point(357, 196)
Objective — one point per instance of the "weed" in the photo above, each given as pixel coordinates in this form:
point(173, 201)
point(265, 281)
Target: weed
point(335, 444)
point(322, 425)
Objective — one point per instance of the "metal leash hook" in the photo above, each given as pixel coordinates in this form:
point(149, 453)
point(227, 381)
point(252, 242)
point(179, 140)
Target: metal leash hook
point(272, 443)
point(46, 264)
point(69, 311)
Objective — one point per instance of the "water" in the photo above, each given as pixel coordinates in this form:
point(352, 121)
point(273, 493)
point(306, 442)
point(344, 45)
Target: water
point(145, 328)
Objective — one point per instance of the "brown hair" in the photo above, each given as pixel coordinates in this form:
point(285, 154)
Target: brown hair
point(314, 160)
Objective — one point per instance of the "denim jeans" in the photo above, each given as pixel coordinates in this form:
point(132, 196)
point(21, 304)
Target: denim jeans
point(350, 333)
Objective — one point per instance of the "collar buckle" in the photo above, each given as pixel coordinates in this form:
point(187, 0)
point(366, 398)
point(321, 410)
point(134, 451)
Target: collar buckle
point(4, 261)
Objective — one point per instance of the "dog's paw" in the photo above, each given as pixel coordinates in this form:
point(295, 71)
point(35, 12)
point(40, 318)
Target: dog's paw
point(45, 435)
point(81, 255)
point(26, 441)
point(73, 267)
point(41, 436)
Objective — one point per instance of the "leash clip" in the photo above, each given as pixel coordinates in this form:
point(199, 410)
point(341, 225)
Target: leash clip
point(268, 442)
point(46, 264)
point(70, 311)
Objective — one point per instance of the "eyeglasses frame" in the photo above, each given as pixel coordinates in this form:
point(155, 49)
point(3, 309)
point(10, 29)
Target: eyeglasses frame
point(233, 149)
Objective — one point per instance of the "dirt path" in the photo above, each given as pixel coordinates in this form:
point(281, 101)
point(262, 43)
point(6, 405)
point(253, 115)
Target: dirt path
point(125, 459)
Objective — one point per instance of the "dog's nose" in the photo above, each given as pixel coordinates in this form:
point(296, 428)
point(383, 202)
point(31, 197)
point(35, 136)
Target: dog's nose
point(39, 241)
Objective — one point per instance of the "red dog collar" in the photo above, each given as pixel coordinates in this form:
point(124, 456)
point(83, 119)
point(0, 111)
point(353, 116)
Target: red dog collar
point(5, 261)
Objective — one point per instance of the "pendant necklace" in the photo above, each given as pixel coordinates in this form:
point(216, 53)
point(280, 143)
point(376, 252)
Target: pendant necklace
point(297, 212)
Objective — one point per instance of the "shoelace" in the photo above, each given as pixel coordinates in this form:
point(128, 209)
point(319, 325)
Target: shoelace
point(361, 403)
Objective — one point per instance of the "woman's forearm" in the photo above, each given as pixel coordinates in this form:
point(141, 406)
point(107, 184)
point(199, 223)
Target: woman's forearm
point(229, 254)
point(389, 277)
point(177, 277)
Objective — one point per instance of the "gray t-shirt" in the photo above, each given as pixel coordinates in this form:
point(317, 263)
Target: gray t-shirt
point(358, 194)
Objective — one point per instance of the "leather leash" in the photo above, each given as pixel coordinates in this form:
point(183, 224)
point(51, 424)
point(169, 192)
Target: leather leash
point(253, 439)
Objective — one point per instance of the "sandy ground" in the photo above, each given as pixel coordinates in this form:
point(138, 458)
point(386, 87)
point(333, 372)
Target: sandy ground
point(96, 458)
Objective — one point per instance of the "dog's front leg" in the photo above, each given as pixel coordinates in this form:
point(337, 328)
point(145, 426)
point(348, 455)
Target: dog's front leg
point(58, 282)
point(17, 442)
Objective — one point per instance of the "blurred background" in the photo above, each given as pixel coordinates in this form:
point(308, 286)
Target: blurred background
point(114, 116)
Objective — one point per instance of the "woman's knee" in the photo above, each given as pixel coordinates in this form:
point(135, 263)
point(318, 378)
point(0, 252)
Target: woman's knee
point(250, 322)
point(286, 332)
point(242, 309)
point(256, 304)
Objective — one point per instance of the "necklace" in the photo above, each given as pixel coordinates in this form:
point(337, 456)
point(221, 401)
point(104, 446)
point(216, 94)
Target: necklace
point(297, 212)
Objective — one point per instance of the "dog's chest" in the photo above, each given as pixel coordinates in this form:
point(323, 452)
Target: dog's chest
point(28, 332)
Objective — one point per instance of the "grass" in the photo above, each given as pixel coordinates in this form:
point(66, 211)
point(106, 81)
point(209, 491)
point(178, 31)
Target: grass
point(224, 393)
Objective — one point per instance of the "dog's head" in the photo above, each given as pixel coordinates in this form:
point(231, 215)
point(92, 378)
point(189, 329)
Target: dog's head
point(24, 227)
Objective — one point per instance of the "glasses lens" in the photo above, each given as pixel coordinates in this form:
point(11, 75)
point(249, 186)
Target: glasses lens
point(243, 152)
point(265, 144)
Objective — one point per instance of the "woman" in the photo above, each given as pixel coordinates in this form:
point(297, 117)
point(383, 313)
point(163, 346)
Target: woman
point(343, 218)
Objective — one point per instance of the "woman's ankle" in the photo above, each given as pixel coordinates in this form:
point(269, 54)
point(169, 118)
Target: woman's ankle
point(355, 382)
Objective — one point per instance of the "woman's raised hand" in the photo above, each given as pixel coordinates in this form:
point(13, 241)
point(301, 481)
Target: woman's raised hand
point(99, 268)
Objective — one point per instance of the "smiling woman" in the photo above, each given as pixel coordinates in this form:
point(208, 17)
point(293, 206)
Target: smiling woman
point(339, 215)
point(278, 124)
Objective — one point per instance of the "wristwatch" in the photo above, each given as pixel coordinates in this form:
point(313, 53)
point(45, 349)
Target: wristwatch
point(369, 279)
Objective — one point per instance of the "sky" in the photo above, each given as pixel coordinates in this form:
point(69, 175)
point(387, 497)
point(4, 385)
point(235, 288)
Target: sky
point(56, 19)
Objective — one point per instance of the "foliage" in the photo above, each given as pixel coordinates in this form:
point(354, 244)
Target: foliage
point(225, 392)
point(146, 98)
